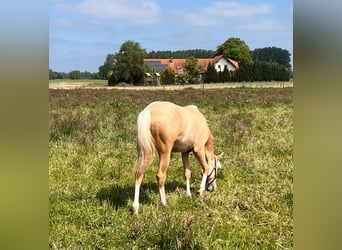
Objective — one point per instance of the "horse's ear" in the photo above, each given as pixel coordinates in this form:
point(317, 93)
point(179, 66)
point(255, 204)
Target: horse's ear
point(219, 156)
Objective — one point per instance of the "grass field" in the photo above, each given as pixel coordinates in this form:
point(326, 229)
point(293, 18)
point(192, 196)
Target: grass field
point(92, 151)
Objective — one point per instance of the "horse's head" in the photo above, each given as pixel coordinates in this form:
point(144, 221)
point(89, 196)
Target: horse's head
point(211, 179)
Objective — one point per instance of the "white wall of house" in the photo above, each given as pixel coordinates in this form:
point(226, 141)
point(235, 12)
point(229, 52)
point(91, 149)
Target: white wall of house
point(219, 66)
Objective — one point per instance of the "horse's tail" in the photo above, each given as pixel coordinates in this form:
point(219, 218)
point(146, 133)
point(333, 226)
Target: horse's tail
point(145, 142)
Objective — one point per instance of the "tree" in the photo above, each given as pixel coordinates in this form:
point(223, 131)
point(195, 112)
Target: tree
point(272, 55)
point(236, 49)
point(192, 69)
point(225, 74)
point(75, 74)
point(57, 75)
point(107, 66)
point(168, 77)
point(210, 74)
point(52, 74)
point(129, 66)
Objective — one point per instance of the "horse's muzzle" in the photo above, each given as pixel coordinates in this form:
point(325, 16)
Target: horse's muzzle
point(210, 188)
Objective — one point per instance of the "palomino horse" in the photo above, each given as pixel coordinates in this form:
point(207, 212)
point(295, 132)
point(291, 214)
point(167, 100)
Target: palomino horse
point(166, 127)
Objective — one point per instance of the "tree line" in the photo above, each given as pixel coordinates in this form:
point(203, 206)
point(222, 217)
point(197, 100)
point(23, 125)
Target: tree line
point(74, 75)
point(198, 53)
point(248, 72)
point(272, 55)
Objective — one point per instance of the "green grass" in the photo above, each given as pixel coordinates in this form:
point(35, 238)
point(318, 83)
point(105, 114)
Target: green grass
point(91, 167)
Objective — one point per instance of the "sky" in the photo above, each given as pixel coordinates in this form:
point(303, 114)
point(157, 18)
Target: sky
point(83, 32)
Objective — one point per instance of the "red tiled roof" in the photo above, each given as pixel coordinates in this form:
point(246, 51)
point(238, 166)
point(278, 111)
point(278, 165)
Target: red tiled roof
point(217, 58)
point(235, 63)
point(178, 64)
point(204, 62)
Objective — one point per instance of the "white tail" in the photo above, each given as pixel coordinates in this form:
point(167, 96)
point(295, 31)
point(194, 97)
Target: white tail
point(145, 142)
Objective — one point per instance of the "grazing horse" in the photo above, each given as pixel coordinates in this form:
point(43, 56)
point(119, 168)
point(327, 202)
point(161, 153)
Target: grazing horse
point(166, 127)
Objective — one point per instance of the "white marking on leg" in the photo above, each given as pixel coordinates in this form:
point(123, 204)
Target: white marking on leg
point(136, 199)
point(202, 187)
point(162, 195)
point(188, 193)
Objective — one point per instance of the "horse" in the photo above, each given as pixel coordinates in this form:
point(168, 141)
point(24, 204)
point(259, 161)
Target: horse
point(166, 127)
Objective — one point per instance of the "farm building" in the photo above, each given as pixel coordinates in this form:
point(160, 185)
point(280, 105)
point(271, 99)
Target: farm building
point(178, 65)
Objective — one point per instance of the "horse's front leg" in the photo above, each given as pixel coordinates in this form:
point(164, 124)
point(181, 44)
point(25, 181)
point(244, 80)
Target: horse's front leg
point(200, 156)
point(203, 182)
point(164, 159)
point(187, 171)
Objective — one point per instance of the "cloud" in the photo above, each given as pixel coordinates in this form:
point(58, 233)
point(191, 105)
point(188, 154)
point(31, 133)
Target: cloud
point(221, 12)
point(237, 9)
point(61, 23)
point(143, 11)
point(53, 40)
point(68, 23)
point(262, 24)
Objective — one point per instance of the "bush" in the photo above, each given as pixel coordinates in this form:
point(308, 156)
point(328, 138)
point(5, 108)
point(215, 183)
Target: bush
point(261, 71)
point(111, 78)
point(168, 77)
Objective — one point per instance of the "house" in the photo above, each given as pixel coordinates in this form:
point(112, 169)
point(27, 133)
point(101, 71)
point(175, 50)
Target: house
point(221, 61)
point(178, 65)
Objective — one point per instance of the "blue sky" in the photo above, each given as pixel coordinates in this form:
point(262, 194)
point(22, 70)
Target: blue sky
point(83, 32)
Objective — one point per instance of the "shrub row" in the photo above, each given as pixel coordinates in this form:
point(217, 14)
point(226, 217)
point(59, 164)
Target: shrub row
point(249, 72)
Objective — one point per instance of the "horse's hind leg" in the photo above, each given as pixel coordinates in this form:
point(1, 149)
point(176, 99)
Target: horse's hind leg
point(164, 160)
point(139, 175)
point(187, 172)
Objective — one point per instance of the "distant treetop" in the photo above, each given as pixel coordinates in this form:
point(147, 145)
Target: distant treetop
point(197, 53)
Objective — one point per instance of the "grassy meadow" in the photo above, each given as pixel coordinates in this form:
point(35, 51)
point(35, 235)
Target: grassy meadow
point(92, 151)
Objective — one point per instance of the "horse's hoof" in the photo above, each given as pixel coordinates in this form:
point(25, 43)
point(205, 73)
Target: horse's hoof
point(135, 210)
point(198, 193)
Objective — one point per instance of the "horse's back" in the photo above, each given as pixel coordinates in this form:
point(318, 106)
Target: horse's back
point(171, 110)
point(159, 106)
point(168, 112)
point(179, 126)
point(166, 117)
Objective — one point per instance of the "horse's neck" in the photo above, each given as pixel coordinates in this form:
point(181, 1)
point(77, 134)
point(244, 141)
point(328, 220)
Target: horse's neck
point(209, 148)
point(209, 144)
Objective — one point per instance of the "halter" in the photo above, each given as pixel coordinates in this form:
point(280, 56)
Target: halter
point(214, 169)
